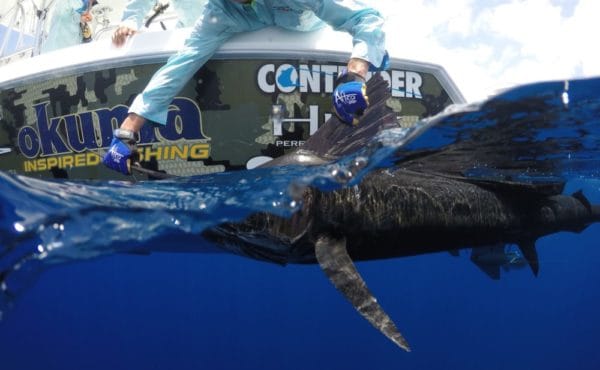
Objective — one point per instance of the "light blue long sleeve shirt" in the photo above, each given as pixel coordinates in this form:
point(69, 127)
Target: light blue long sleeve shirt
point(224, 18)
point(64, 28)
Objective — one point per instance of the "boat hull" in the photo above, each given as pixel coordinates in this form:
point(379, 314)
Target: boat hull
point(239, 110)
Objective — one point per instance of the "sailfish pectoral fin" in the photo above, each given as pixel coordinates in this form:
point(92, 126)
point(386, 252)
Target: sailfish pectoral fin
point(530, 254)
point(339, 268)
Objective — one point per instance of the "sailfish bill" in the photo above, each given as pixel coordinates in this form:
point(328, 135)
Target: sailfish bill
point(335, 262)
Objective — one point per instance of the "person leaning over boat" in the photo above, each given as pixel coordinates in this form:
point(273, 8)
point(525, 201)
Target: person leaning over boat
point(221, 20)
point(68, 24)
point(187, 12)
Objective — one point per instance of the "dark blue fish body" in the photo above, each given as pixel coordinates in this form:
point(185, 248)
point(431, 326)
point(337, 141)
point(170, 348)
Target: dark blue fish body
point(403, 213)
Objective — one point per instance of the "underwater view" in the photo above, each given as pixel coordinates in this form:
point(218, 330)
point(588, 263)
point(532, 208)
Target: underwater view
point(234, 271)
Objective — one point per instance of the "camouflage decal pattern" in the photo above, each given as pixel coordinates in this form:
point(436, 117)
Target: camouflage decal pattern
point(225, 116)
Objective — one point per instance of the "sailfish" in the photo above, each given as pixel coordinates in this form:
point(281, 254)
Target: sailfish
point(483, 177)
point(468, 190)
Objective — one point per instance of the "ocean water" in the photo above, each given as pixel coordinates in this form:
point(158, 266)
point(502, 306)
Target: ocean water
point(83, 293)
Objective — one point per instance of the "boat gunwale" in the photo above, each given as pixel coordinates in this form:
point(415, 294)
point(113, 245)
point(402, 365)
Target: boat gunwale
point(143, 50)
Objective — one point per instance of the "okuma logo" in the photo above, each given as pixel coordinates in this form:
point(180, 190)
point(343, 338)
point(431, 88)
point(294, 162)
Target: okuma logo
point(82, 131)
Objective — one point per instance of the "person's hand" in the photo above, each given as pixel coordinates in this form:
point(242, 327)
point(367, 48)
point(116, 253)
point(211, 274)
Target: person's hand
point(122, 152)
point(121, 34)
point(86, 17)
point(350, 97)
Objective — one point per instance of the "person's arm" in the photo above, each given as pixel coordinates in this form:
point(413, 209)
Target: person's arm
point(153, 103)
point(64, 25)
point(365, 24)
point(358, 66)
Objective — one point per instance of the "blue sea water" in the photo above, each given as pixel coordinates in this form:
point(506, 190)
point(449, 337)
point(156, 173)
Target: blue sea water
point(90, 298)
